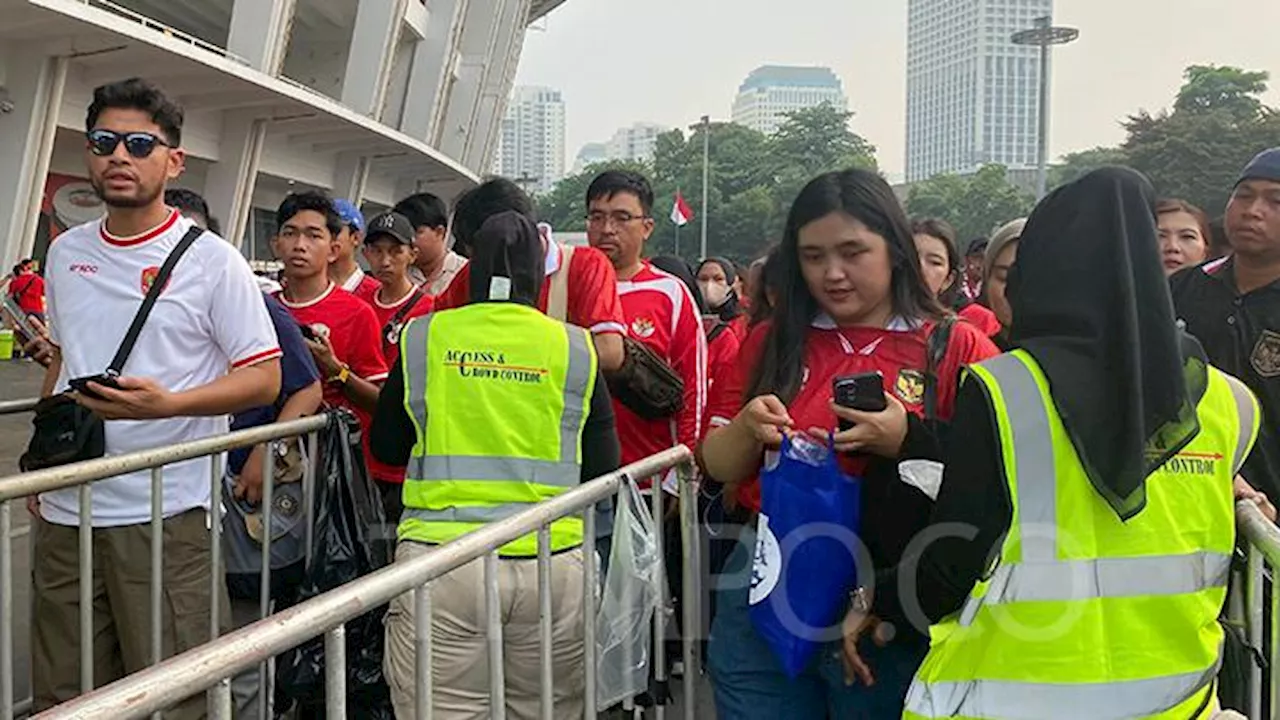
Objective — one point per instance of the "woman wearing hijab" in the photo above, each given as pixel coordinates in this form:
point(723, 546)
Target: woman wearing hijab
point(717, 278)
point(1114, 445)
point(484, 440)
point(722, 341)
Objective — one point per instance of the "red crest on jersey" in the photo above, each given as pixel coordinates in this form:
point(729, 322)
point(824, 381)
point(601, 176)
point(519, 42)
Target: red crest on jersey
point(149, 278)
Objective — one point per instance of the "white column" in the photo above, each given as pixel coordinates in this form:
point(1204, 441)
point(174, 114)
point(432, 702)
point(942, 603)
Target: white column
point(350, 176)
point(373, 44)
point(508, 43)
point(470, 67)
point(430, 62)
point(260, 32)
point(230, 182)
point(31, 95)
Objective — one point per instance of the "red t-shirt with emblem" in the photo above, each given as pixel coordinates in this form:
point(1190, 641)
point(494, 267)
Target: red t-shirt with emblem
point(353, 331)
point(593, 290)
point(661, 312)
point(897, 352)
point(385, 313)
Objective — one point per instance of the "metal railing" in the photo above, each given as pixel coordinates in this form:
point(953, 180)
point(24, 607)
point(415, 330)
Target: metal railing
point(82, 475)
point(161, 686)
point(153, 24)
point(1263, 541)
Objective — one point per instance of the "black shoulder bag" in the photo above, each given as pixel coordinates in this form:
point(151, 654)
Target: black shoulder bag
point(66, 432)
point(645, 383)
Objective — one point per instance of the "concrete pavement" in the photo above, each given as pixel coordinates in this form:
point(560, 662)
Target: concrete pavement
point(19, 379)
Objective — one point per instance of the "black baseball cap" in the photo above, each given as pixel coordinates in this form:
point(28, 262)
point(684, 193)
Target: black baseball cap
point(392, 225)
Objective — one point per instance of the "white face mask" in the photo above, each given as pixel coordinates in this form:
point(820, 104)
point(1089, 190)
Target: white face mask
point(715, 293)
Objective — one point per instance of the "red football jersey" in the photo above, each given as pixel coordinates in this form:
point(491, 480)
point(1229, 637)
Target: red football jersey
point(661, 312)
point(897, 352)
point(722, 356)
point(385, 313)
point(352, 329)
point(981, 318)
point(593, 290)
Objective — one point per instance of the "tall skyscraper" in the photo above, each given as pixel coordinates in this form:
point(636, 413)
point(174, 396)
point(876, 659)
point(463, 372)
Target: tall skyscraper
point(531, 150)
point(772, 91)
point(972, 95)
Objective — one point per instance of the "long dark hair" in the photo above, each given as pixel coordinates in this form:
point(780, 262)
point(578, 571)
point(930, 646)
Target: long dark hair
point(865, 196)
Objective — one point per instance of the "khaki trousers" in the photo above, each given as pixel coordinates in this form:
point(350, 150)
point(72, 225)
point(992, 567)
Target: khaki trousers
point(460, 668)
point(121, 604)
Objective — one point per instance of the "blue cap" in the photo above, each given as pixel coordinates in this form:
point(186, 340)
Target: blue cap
point(1264, 166)
point(349, 213)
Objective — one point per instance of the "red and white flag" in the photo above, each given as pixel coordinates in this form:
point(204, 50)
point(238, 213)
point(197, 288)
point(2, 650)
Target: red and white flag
point(681, 213)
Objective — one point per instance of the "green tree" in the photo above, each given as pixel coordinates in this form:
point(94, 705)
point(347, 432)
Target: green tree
point(1230, 89)
point(974, 204)
point(1195, 151)
point(565, 206)
point(1078, 164)
point(753, 179)
point(1218, 123)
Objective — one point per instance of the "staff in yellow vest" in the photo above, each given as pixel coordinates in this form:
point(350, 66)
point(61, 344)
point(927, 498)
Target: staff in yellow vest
point(494, 407)
point(1103, 452)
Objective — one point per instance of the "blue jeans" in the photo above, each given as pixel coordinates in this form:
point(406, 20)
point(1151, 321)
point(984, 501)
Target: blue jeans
point(750, 683)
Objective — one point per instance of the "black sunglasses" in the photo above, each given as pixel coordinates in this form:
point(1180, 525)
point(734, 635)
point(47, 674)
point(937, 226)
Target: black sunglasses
point(137, 144)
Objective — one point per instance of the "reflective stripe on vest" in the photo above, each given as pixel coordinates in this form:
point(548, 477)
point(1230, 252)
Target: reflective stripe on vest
point(544, 477)
point(1041, 575)
point(1120, 700)
point(1003, 656)
point(1247, 404)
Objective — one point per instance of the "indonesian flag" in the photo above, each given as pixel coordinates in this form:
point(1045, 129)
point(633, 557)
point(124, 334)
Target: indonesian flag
point(681, 213)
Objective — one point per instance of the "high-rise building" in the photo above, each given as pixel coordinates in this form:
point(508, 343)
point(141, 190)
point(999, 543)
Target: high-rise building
point(531, 149)
point(636, 142)
point(770, 92)
point(972, 95)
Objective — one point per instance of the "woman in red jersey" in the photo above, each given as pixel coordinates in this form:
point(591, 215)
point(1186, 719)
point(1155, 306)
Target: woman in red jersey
point(941, 266)
point(850, 299)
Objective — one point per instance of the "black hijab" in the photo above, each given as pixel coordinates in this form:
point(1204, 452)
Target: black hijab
point(732, 306)
point(678, 267)
point(507, 246)
point(1091, 304)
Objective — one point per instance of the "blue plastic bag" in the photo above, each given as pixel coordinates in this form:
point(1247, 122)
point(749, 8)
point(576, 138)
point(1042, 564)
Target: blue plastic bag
point(806, 551)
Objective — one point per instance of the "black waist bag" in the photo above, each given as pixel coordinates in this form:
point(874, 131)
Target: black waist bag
point(645, 384)
point(65, 432)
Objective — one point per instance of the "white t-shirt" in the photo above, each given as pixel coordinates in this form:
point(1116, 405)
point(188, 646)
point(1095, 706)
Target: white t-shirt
point(209, 319)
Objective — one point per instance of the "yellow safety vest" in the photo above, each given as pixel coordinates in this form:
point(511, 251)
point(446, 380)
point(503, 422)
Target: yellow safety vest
point(499, 394)
point(1085, 615)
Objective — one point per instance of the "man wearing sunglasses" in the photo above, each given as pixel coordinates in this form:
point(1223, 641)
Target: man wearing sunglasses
point(207, 350)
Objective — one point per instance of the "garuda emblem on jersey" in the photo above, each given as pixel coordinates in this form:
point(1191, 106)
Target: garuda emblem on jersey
point(1266, 355)
point(149, 278)
point(642, 327)
point(910, 386)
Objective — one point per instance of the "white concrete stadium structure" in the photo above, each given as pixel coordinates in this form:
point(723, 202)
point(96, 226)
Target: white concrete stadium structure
point(368, 99)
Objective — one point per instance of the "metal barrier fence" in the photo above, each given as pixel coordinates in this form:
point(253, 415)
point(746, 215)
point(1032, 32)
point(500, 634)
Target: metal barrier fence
point(81, 475)
point(210, 665)
point(1262, 538)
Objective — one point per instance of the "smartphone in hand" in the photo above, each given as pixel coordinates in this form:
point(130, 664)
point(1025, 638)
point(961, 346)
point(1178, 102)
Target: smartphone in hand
point(863, 392)
point(81, 384)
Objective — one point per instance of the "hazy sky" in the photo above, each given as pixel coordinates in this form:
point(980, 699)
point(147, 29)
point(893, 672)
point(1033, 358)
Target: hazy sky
point(671, 61)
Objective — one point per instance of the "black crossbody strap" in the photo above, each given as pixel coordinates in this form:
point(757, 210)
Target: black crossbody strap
point(404, 310)
point(148, 302)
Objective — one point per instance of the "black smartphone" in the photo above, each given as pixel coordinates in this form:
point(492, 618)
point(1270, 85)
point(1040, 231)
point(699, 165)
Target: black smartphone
point(308, 333)
point(81, 384)
point(864, 391)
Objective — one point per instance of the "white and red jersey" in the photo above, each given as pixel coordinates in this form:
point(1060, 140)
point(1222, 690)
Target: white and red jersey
point(209, 320)
point(386, 313)
point(593, 290)
point(661, 313)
